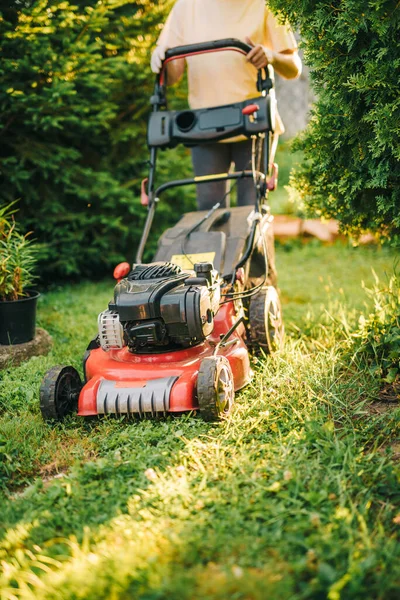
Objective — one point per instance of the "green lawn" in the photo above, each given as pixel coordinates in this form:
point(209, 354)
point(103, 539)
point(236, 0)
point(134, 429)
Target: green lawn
point(296, 495)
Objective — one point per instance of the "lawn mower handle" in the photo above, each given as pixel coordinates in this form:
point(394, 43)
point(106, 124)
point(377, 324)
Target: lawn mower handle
point(200, 48)
point(226, 44)
point(207, 179)
point(158, 100)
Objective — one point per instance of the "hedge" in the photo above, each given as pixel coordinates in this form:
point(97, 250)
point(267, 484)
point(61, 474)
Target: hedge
point(352, 144)
point(75, 84)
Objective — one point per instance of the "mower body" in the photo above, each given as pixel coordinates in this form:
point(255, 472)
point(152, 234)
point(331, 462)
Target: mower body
point(119, 382)
point(132, 381)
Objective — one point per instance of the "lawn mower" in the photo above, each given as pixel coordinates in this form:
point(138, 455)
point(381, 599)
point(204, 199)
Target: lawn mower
point(175, 338)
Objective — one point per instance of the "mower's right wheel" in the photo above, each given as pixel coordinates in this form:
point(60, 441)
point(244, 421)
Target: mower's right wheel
point(265, 320)
point(59, 393)
point(215, 388)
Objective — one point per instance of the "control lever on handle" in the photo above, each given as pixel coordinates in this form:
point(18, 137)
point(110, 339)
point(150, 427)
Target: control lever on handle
point(250, 109)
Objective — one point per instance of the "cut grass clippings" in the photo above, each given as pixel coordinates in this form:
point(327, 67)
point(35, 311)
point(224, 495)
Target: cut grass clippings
point(295, 495)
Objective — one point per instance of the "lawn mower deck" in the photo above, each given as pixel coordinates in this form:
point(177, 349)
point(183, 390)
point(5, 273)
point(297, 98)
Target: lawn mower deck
point(175, 337)
point(120, 382)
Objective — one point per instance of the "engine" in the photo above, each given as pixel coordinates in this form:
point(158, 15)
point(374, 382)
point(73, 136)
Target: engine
point(159, 307)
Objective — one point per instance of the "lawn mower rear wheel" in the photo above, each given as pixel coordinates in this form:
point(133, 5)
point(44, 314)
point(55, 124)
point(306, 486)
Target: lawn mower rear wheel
point(59, 393)
point(265, 319)
point(215, 388)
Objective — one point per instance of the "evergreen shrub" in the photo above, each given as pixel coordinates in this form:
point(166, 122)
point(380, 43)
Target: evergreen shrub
point(75, 84)
point(377, 339)
point(352, 144)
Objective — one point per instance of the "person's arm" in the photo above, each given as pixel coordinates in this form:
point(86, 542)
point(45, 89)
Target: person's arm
point(175, 70)
point(286, 63)
point(171, 36)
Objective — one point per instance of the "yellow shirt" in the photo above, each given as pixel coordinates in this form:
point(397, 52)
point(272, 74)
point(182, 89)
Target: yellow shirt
point(225, 77)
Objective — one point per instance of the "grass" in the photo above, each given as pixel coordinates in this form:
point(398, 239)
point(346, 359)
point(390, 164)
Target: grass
point(295, 496)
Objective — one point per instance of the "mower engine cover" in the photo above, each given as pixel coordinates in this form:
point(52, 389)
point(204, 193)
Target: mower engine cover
point(159, 307)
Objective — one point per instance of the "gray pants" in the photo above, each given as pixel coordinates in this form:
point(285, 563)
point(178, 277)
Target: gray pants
point(210, 159)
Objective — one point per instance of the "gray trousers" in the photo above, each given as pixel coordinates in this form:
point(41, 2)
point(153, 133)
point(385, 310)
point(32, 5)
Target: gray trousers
point(209, 159)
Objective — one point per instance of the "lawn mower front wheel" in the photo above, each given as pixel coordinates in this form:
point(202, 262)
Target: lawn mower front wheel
point(215, 388)
point(59, 393)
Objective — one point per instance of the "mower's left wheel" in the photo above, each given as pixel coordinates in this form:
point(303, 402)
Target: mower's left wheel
point(215, 388)
point(59, 393)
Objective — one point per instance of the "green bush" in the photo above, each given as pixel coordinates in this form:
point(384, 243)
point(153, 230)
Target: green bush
point(352, 144)
point(377, 340)
point(75, 84)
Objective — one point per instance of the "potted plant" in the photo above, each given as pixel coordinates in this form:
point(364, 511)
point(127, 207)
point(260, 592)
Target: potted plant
point(17, 264)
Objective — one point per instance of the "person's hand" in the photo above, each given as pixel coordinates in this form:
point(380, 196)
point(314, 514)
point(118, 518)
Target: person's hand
point(157, 59)
point(259, 56)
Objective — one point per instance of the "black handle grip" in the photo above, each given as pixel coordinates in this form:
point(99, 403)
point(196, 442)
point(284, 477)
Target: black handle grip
point(206, 47)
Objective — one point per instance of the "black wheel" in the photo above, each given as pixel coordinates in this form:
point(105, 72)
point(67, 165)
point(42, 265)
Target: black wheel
point(59, 393)
point(215, 388)
point(265, 320)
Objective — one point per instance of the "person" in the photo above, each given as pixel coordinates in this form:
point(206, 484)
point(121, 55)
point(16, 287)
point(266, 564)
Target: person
point(215, 80)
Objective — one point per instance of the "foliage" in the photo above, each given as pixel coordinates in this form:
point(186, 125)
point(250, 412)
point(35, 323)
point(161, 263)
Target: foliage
point(352, 144)
point(18, 256)
point(75, 84)
point(294, 496)
point(378, 337)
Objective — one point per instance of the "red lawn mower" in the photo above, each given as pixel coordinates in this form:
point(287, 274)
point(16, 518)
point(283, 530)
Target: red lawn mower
point(176, 336)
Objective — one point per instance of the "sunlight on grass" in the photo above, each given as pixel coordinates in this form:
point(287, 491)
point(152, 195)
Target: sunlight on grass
point(295, 495)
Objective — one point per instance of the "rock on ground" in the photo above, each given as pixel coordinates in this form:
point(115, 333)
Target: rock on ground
point(15, 355)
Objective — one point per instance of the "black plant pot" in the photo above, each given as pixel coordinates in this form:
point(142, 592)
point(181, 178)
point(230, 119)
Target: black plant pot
point(18, 319)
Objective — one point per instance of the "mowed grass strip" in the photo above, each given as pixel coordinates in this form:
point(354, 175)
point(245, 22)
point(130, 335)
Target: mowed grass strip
point(296, 495)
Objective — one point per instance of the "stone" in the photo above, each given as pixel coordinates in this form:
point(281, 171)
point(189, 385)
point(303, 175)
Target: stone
point(317, 229)
point(286, 227)
point(12, 356)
